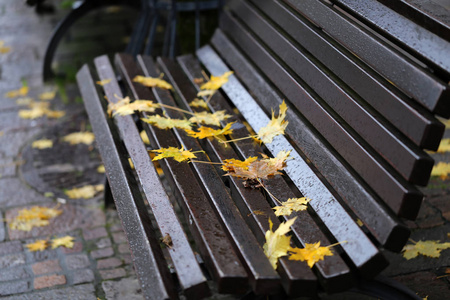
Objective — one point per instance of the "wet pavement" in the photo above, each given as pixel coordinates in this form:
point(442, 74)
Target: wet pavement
point(99, 265)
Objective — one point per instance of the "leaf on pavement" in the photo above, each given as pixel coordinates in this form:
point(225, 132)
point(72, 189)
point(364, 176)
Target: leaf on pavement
point(36, 216)
point(205, 117)
point(47, 96)
point(101, 169)
point(39, 245)
point(292, 204)
point(276, 126)
point(167, 123)
point(444, 146)
point(65, 241)
point(153, 82)
point(23, 91)
point(277, 243)
point(86, 192)
point(176, 153)
point(441, 170)
point(427, 248)
point(312, 253)
point(83, 137)
point(204, 132)
point(42, 144)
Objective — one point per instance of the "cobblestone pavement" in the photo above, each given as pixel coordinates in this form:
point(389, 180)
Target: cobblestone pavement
point(99, 264)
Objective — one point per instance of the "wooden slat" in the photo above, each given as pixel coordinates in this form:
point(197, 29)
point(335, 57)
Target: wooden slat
point(410, 161)
point(359, 248)
point(188, 270)
point(385, 227)
point(414, 121)
point(210, 237)
point(418, 40)
point(413, 80)
point(263, 278)
point(402, 197)
point(151, 267)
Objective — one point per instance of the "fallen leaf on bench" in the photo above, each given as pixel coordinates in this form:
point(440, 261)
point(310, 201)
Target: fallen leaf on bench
point(42, 144)
point(23, 91)
point(39, 245)
point(153, 82)
point(279, 161)
point(312, 253)
point(427, 248)
point(65, 241)
point(230, 164)
point(167, 240)
point(292, 204)
point(137, 105)
point(204, 132)
point(441, 170)
point(144, 137)
point(36, 216)
point(199, 80)
point(198, 103)
point(177, 154)
point(103, 82)
point(86, 192)
point(444, 146)
point(276, 126)
point(277, 243)
point(168, 123)
point(206, 93)
point(205, 117)
point(47, 96)
point(216, 82)
point(83, 137)
point(114, 106)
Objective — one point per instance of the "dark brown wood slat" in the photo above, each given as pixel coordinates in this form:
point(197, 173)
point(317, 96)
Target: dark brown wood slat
point(297, 278)
point(411, 119)
point(333, 270)
point(188, 270)
point(385, 227)
point(263, 278)
point(411, 162)
point(402, 197)
point(424, 44)
point(216, 249)
point(152, 271)
point(415, 82)
point(359, 248)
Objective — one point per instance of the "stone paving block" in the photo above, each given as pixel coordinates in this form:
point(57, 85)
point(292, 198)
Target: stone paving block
point(108, 263)
point(8, 166)
point(11, 142)
point(77, 247)
point(77, 261)
point(114, 273)
point(103, 243)
point(12, 260)
point(443, 204)
point(44, 255)
point(15, 193)
point(2, 228)
point(125, 288)
point(95, 233)
point(15, 287)
point(426, 284)
point(119, 237)
point(78, 292)
point(116, 227)
point(124, 248)
point(14, 274)
point(101, 253)
point(127, 259)
point(83, 276)
point(46, 267)
point(49, 281)
point(10, 247)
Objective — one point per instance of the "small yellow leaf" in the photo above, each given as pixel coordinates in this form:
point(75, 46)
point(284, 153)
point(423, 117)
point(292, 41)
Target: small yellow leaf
point(80, 138)
point(292, 204)
point(36, 216)
point(198, 103)
point(103, 82)
point(137, 105)
point(277, 243)
point(4, 49)
point(55, 114)
point(47, 95)
point(231, 164)
point(444, 146)
point(39, 245)
point(86, 192)
point(209, 118)
point(168, 123)
point(153, 82)
point(114, 106)
point(427, 248)
point(101, 169)
point(32, 113)
point(24, 101)
point(42, 144)
point(204, 132)
point(144, 137)
point(359, 222)
point(216, 82)
point(276, 126)
point(23, 91)
point(206, 93)
point(177, 154)
point(442, 170)
point(312, 253)
point(66, 241)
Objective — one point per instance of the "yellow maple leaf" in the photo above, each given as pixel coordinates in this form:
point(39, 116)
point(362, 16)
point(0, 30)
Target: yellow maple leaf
point(42, 144)
point(292, 204)
point(55, 114)
point(276, 126)
point(66, 241)
point(277, 243)
point(144, 137)
point(441, 170)
point(83, 137)
point(86, 192)
point(103, 82)
point(279, 161)
point(216, 82)
point(101, 169)
point(312, 253)
point(23, 91)
point(204, 132)
point(231, 164)
point(177, 154)
point(137, 105)
point(444, 146)
point(35, 216)
point(33, 113)
point(168, 123)
point(427, 248)
point(39, 245)
point(114, 106)
point(198, 103)
point(153, 82)
point(46, 96)
point(205, 117)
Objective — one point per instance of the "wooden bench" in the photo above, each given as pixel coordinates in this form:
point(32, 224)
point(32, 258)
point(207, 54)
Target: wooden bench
point(362, 98)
